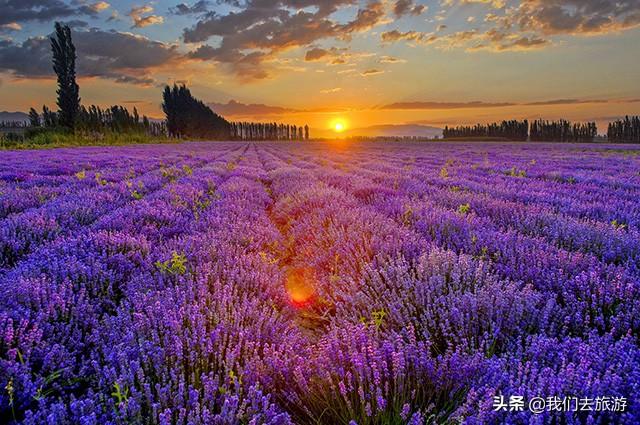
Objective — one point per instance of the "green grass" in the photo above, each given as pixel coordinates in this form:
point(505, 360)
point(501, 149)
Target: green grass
point(60, 138)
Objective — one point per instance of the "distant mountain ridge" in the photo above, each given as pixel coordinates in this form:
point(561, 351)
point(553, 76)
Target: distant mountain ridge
point(13, 116)
point(399, 130)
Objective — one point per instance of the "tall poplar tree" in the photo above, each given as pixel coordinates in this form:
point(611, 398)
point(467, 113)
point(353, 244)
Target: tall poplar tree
point(64, 65)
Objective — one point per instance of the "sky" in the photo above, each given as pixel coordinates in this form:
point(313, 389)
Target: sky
point(318, 62)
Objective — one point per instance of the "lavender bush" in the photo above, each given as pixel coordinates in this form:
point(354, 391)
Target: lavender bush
point(213, 283)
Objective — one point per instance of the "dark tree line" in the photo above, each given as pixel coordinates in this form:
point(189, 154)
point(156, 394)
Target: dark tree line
point(268, 131)
point(187, 116)
point(512, 130)
point(539, 130)
point(48, 119)
point(95, 119)
point(562, 131)
point(190, 117)
point(14, 124)
point(626, 130)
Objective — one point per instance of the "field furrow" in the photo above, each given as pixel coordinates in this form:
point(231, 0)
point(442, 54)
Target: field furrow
point(317, 283)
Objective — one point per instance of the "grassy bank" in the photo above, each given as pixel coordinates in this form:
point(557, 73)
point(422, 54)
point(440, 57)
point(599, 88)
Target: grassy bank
point(60, 138)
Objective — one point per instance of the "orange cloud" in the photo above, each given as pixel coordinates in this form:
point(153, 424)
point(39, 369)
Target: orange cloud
point(371, 72)
point(140, 21)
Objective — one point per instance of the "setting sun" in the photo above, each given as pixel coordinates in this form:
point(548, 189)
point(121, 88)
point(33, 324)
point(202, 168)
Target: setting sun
point(338, 126)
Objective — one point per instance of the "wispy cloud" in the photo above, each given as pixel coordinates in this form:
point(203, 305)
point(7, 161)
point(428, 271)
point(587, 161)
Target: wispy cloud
point(413, 36)
point(444, 105)
point(199, 7)
point(333, 90)
point(253, 109)
point(11, 26)
point(481, 104)
point(371, 72)
point(567, 102)
point(391, 59)
point(100, 6)
point(140, 21)
point(408, 7)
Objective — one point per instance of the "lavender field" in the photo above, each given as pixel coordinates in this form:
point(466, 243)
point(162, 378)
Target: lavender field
point(320, 283)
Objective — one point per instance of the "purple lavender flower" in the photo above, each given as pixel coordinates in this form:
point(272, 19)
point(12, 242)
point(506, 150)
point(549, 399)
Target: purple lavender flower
point(153, 284)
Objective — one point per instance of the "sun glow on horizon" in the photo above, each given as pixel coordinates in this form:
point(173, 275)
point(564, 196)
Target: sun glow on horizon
point(338, 125)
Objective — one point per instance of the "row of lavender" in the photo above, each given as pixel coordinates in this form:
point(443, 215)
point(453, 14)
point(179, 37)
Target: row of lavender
point(367, 284)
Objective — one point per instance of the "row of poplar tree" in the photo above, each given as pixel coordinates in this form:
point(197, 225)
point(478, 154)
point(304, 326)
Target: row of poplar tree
point(539, 130)
point(624, 130)
point(268, 131)
point(512, 130)
point(187, 116)
point(96, 119)
point(71, 114)
point(562, 131)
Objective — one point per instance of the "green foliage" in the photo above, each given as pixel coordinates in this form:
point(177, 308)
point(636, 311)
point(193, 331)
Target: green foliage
point(10, 391)
point(41, 137)
point(200, 205)
point(514, 172)
point(377, 318)
point(483, 254)
point(235, 379)
point(176, 265)
point(11, 394)
point(211, 190)
point(618, 225)
point(100, 180)
point(464, 209)
point(170, 173)
point(407, 215)
point(120, 395)
point(47, 388)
